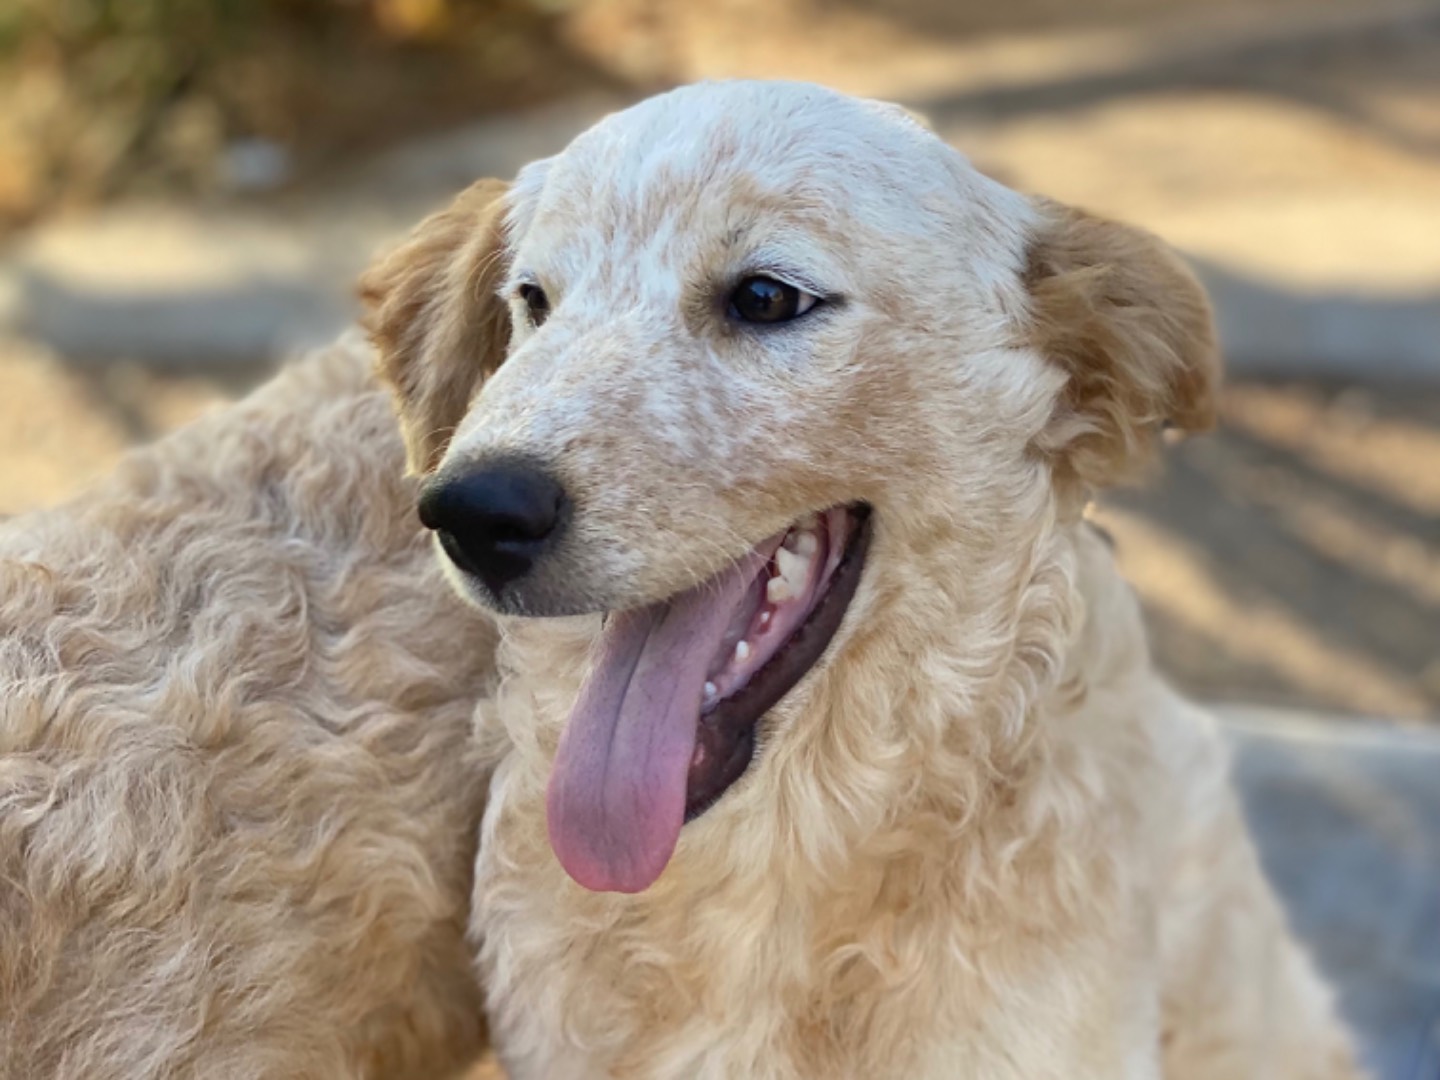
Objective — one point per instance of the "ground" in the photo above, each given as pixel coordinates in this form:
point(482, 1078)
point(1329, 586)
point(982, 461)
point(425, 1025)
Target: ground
point(1293, 556)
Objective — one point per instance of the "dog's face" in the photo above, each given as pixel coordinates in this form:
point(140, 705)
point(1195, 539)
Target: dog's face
point(681, 428)
point(746, 329)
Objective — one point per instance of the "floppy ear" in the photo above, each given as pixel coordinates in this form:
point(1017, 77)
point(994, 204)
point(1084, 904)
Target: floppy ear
point(1132, 329)
point(431, 311)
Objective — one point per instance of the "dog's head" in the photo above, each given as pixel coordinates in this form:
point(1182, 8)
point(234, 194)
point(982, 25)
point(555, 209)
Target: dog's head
point(737, 356)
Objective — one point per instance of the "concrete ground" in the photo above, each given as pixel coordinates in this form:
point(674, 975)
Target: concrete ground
point(1348, 823)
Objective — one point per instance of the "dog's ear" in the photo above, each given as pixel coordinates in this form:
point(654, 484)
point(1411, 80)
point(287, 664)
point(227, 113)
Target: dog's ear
point(431, 310)
point(1132, 329)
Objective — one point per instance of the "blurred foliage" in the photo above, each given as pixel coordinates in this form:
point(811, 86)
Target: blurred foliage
point(106, 96)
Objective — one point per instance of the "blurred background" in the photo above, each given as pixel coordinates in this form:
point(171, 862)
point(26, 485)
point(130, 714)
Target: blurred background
point(188, 188)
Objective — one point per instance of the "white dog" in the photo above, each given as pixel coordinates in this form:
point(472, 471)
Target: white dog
point(846, 758)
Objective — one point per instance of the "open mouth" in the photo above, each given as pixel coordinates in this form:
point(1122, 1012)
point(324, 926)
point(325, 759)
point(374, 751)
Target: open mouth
point(666, 720)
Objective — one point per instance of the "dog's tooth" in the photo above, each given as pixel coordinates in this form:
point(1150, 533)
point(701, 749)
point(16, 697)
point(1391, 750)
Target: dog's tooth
point(777, 590)
point(801, 542)
point(790, 564)
point(710, 691)
point(764, 618)
point(742, 651)
point(793, 567)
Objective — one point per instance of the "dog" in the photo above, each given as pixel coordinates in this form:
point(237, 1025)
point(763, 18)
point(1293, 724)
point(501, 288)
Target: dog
point(238, 804)
point(825, 741)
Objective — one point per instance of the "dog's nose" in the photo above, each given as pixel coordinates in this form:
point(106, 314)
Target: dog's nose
point(495, 521)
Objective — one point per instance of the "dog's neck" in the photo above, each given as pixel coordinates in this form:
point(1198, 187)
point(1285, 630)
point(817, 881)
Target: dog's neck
point(970, 727)
point(904, 825)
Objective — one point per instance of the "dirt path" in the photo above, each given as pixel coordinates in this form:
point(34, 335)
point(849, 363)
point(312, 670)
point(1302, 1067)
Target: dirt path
point(1293, 557)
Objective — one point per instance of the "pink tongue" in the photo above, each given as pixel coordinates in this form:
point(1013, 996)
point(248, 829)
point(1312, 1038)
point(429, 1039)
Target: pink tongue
point(617, 793)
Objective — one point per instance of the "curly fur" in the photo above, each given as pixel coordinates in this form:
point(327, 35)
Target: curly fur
point(237, 808)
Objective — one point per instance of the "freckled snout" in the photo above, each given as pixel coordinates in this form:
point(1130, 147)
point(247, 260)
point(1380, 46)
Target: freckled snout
point(495, 520)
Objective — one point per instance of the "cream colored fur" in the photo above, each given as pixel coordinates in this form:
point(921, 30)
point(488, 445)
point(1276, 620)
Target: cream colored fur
point(237, 805)
point(982, 839)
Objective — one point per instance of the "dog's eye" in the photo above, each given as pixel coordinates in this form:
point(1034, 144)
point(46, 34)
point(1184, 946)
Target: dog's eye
point(765, 300)
point(536, 302)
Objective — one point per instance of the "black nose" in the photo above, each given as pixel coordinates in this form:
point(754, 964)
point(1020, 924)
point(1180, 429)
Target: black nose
point(494, 521)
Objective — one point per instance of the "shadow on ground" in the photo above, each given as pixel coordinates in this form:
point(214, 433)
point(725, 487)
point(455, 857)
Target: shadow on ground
point(1293, 556)
point(1298, 63)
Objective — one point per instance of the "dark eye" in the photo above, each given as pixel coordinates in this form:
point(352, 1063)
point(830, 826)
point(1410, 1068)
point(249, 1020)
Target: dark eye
point(537, 304)
point(765, 300)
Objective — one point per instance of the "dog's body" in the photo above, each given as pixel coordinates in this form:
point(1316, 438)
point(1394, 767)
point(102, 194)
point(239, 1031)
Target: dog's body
point(978, 837)
point(237, 811)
